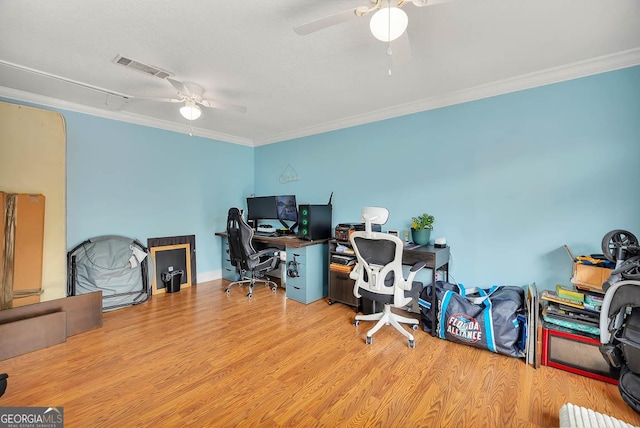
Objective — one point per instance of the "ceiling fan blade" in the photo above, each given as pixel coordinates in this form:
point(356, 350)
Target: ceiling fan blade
point(224, 106)
point(327, 21)
point(179, 86)
point(401, 52)
point(160, 100)
point(422, 3)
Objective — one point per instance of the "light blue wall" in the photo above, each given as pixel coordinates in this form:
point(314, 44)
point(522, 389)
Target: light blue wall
point(144, 182)
point(509, 179)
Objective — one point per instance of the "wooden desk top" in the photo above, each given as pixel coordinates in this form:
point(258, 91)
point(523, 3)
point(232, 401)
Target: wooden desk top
point(434, 257)
point(288, 241)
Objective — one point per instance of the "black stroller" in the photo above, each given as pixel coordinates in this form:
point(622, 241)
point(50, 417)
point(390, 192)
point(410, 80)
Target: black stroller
point(620, 313)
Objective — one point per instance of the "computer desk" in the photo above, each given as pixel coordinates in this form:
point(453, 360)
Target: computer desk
point(305, 270)
point(436, 259)
point(312, 259)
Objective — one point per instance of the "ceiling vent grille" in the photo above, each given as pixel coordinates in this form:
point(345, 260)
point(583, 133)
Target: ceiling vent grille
point(138, 66)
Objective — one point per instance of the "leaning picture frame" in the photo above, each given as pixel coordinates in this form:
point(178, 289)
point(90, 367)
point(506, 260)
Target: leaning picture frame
point(170, 258)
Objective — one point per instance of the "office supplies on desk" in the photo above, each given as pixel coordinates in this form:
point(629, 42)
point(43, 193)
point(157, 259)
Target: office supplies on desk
point(267, 228)
point(411, 245)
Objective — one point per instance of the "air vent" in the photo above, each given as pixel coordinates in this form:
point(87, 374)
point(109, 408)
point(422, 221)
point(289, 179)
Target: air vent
point(146, 69)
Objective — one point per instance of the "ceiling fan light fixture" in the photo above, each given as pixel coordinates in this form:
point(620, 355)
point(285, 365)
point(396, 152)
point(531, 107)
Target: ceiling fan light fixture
point(388, 23)
point(190, 111)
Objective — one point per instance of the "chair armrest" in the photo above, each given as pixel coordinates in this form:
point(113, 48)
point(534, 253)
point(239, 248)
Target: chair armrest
point(413, 271)
point(418, 266)
point(355, 272)
point(266, 252)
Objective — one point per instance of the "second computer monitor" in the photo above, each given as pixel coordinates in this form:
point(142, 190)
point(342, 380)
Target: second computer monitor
point(262, 208)
point(287, 207)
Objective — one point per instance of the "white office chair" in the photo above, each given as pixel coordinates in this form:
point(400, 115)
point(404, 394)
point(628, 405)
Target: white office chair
point(379, 277)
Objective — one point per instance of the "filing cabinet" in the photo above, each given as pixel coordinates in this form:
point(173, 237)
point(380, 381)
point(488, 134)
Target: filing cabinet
point(306, 273)
point(341, 289)
point(228, 270)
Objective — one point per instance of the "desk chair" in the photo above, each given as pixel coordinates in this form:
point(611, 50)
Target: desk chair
point(379, 277)
point(251, 265)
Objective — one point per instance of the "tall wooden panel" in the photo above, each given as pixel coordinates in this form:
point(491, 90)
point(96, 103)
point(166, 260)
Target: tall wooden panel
point(22, 244)
point(28, 247)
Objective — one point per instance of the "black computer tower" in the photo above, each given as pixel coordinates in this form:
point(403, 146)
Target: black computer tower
point(314, 221)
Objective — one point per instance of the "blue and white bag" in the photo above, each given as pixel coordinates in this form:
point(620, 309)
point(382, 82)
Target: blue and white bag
point(483, 318)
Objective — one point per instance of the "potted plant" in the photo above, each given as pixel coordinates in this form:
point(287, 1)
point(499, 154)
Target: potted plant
point(421, 227)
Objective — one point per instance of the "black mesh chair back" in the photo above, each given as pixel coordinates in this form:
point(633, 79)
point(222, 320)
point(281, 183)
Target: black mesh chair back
point(240, 235)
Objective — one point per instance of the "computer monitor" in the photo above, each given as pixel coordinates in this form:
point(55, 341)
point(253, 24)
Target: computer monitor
point(262, 208)
point(287, 207)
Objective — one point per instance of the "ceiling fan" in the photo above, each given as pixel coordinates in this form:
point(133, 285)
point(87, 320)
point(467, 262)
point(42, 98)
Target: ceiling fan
point(388, 21)
point(190, 95)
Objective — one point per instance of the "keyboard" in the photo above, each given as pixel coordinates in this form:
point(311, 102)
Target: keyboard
point(270, 234)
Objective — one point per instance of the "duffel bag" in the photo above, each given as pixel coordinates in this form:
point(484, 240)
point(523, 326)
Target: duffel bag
point(424, 301)
point(484, 318)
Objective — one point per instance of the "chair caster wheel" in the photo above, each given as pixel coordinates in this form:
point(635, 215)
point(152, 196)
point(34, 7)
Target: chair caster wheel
point(330, 302)
point(228, 290)
point(369, 340)
point(412, 344)
point(250, 295)
point(356, 323)
point(274, 289)
point(414, 327)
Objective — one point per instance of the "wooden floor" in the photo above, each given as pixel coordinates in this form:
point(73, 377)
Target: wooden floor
point(201, 358)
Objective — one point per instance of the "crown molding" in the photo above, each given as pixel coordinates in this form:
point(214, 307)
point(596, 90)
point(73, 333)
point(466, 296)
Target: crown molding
point(549, 76)
point(120, 116)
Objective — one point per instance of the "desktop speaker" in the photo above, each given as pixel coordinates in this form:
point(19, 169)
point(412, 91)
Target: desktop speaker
point(314, 221)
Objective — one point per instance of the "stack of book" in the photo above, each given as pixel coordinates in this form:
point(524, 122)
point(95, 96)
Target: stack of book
point(574, 309)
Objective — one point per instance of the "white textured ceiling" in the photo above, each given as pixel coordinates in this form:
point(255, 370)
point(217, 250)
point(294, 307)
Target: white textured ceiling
point(246, 53)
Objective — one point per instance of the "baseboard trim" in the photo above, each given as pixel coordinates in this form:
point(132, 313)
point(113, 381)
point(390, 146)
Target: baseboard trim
point(208, 276)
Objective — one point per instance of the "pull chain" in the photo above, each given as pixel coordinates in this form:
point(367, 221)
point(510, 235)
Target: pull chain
point(389, 52)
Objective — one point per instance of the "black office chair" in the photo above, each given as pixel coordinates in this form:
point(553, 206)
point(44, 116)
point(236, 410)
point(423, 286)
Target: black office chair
point(379, 275)
point(252, 265)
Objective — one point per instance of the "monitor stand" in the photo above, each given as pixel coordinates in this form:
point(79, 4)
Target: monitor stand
point(286, 229)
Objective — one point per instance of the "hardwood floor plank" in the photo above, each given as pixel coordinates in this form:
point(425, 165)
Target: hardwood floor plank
point(202, 358)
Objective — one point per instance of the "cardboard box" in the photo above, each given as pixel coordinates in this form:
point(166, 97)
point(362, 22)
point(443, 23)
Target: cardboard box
point(28, 245)
point(588, 277)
